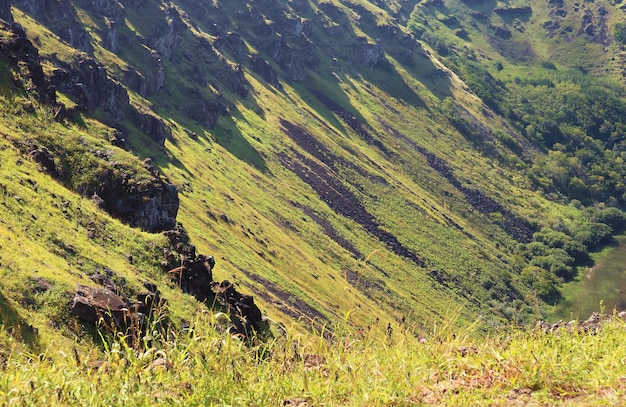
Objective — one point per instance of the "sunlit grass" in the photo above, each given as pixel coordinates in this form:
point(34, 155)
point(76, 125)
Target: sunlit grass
point(355, 368)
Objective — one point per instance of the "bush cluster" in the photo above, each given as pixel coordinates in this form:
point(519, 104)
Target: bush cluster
point(553, 255)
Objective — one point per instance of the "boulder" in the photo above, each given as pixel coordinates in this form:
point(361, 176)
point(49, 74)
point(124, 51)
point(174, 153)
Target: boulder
point(193, 273)
point(245, 314)
point(93, 304)
point(205, 112)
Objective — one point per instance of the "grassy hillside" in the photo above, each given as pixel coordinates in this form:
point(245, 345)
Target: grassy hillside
point(367, 164)
point(398, 184)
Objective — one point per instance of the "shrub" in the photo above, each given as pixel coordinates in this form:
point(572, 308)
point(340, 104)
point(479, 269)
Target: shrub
point(613, 217)
point(544, 283)
point(619, 33)
point(592, 234)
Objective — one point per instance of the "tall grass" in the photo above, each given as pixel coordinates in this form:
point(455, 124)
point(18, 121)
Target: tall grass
point(201, 366)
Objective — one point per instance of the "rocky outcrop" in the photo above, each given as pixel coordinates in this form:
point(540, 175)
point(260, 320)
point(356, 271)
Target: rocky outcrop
point(265, 70)
point(300, 5)
point(46, 163)
point(111, 37)
point(523, 12)
point(193, 273)
point(501, 31)
point(331, 10)
point(165, 39)
point(205, 112)
point(88, 81)
point(152, 125)
point(158, 82)
point(93, 303)
point(294, 61)
point(106, 306)
point(248, 319)
point(591, 325)
point(366, 53)
point(150, 204)
point(233, 76)
point(233, 45)
point(111, 9)
point(136, 81)
point(50, 13)
point(18, 50)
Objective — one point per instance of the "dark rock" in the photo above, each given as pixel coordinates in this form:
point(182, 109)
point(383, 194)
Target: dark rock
point(150, 300)
point(501, 31)
point(42, 284)
point(60, 16)
point(450, 21)
point(152, 126)
point(111, 37)
point(300, 5)
point(5, 11)
point(512, 12)
point(166, 38)
point(88, 81)
point(205, 112)
point(247, 319)
point(193, 273)
point(591, 325)
point(285, 56)
point(333, 11)
point(92, 303)
point(117, 139)
point(150, 204)
point(233, 76)
point(233, 44)
point(265, 70)
point(366, 53)
point(109, 8)
point(105, 282)
point(17, 49)
point(136, 81)
point(294, 60)
point(43, 157)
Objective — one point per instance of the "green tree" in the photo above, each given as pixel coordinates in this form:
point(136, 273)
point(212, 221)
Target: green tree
point(545, 284)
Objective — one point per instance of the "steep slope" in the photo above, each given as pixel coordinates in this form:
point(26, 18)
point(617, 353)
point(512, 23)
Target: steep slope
point(331, 162)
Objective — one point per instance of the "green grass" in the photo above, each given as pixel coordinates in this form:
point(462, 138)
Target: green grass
point(356, 368)
point(233, 170)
